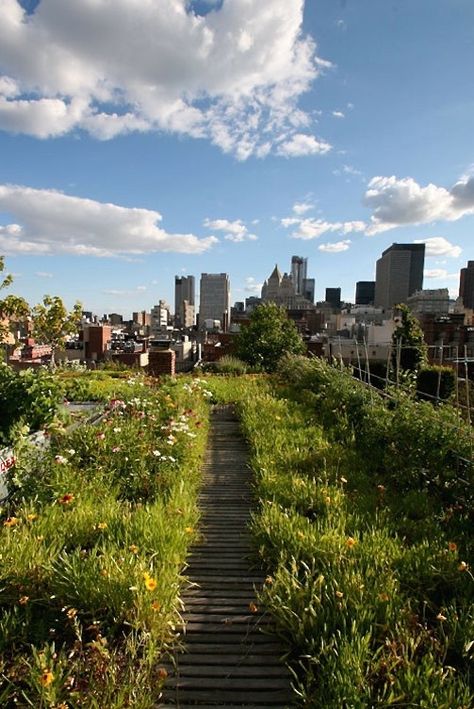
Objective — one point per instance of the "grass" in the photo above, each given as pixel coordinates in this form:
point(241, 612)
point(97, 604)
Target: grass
point(370, 586)
point(92, 549)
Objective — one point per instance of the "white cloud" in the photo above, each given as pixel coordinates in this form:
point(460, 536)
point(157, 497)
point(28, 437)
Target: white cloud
point(314, 228)
point(50, 222)
point(233, 76)
point(336, 247)
point(398, 202)
point(302, 144)
point(302, 207)
point(235, 231)
point(440, 273)
point(338, 114)
point(439, 246)
point(43, 274)
point(252, 286)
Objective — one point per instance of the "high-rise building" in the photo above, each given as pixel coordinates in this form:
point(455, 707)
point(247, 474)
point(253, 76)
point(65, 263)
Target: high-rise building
point(365, 292)
point(299, 267)
point(160, 317)
point(466, 285)
point(333, 297)
point(184, 289)
point(399, 273)
point(214, 298)
point(308, 289)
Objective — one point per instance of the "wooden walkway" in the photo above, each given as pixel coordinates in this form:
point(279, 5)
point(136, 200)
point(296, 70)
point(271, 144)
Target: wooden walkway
point(228, 660)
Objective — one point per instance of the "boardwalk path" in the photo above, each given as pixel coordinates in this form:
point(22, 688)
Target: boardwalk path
point(228, 660)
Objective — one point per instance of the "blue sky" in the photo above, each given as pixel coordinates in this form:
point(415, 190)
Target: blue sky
point(167, 137)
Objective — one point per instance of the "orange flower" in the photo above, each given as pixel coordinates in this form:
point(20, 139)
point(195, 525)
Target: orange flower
point(156, 606)
point(71, 613)
point(11, 522)
point(46, 677)
point(66, 499)
point(253, 608)
point(133, 548)
point(452, 546)
point(383, 597)
point(269, 580)
point(162, 673)
point(23, 600)
point(350, 542)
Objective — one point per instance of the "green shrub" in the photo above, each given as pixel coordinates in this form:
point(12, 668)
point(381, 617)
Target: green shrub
point(230, 365)
point(436, 383)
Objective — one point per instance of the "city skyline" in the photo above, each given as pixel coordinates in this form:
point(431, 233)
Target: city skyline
point(326, 129)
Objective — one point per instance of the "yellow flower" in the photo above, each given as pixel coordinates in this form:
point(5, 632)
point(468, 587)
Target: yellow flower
point(327, 500)
point(452, 546)
point(350, 542)
point(339, 594)
point(23, 600)
point(71, 613)
point(189, 530)
point(46, 677)
point(102, 525)
point(11, 522)
point(31, 517)
point(150, 582)
point(156, 606)
point(133, 548)
point(462, 566)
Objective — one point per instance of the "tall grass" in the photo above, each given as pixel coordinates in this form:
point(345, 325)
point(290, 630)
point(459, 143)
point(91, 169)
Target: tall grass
point(369, 580)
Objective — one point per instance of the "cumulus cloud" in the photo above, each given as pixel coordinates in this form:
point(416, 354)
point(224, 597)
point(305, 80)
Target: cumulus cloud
point(399, 202)
point(302, 144)
point(439, 246)
point(338, 114)
point(336, 247)
point(234, 75)
point(235, 231)
point(50, 222)
point(307, 229)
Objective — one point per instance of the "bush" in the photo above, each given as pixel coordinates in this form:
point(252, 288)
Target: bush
point(230, 365)
point(429, 378)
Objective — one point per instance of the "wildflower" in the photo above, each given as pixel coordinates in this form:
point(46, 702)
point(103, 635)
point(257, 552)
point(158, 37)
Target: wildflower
point(300, 535)
point(463, 566)
point(339, 594)
point(269, 580)
point(253, 608)
point(31, 517)
point(71, 451)
point(383, 597)
point(327, 500)
point(102, 525)
point(23, 600)
point(115, 449)
point(60, 460)
point(189, 530)
point(441, 617)
point(40, 538)
point(11, 522)
point(350, 542)
point(343, 480)
point(162, 673)
point(46, 677)
point(117, 429)
point(133, 548)
point(71, 613)
point(66, 499)
point(170, 458)
point(156, 453)
point(452, 546)
point(155, 606)
point(100, 436)
point(150, 582)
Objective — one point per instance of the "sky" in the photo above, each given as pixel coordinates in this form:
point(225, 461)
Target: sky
point(143, 139)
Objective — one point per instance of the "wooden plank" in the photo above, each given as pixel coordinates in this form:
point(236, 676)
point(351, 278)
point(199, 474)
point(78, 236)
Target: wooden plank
point(245, 697)
point(233, 671)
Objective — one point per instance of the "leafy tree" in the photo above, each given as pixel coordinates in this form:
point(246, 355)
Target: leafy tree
point(268, 336)
point(12, 307)
point(53, 322)
point(409, 351)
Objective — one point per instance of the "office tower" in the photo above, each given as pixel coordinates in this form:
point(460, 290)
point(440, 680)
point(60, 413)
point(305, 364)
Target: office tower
point(299, 267)
point(466, 285)
point(399, 273)
point(214, 299)
point(308, 289)
point(333, 297)
point(365, 293)
point(184, 289)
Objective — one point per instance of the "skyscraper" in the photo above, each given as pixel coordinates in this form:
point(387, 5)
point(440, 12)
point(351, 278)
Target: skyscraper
point(299, 267)
point(215, 298)
point(365, 292)
point(466, 285)
point(333, 296)
point(399, 273)
point(184, 289)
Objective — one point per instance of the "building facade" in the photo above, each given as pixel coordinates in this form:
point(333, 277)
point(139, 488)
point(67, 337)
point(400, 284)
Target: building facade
point(214, 299)
point(399, 274)
point(184, 301)
point(365, 293)
point(466, 285)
